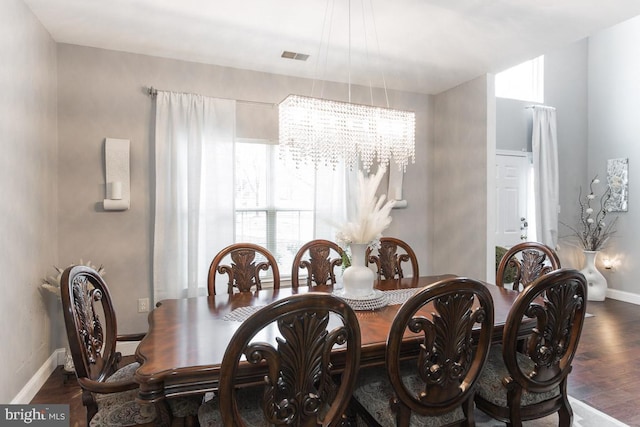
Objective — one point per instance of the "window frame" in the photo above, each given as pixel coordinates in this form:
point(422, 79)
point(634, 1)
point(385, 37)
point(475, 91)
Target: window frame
point(524, 81)
point(270, 208)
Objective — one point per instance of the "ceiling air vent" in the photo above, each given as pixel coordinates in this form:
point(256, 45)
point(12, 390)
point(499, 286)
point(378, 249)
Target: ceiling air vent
point(294, 55)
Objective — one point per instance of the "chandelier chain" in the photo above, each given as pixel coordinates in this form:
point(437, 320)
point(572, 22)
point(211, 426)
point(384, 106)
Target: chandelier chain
point(324, 132)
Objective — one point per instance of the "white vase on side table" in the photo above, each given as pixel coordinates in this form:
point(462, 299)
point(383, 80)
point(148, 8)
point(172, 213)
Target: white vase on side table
point(358, 279)
point(596, 282)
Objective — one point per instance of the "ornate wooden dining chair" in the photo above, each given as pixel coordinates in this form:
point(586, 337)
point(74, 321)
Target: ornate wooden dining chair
point(300, 386)
point(246, 261)
point(391, 254)
point(519, 384)
point(108, 393)
point(319, 264)
point(524, 263)
point(454, 321)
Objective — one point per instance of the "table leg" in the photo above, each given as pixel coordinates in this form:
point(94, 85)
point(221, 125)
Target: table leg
point(163, 414)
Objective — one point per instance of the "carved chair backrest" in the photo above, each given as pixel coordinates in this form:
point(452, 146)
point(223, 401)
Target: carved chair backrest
point(319, 264)
point(303, 389)
point(557, 302)
point(90, 322)
point(243, 270)
point(450, 359)
point(391, 254)
point(524, 263)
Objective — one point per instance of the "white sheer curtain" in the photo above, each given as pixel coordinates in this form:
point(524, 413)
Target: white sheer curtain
point(330, 201)
point(545, 170)
point(194, 200)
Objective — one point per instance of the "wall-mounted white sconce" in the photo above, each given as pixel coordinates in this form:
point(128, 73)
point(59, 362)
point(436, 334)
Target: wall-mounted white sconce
point(607, 263)
point(116, 190)
point(395, 186)
point(116, 161)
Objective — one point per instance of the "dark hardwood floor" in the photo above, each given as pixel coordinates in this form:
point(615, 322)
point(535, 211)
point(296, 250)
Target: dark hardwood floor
point(605, 372)
point(605, 369)
point(57, 389)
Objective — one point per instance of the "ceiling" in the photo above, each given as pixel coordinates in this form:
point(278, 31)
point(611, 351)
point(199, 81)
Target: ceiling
point(424, 46)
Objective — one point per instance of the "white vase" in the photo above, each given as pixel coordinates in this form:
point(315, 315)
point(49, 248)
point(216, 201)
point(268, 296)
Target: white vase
point(358, 279)
point(597, 284)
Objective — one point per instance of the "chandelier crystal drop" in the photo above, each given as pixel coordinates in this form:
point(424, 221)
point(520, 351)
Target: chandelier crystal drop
point(325, 132)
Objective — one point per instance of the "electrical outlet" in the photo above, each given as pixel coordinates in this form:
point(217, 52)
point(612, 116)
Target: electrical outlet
point(143, 305)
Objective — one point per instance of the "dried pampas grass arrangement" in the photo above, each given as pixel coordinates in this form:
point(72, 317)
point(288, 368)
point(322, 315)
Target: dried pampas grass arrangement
point(372, 213)
point(52, 283)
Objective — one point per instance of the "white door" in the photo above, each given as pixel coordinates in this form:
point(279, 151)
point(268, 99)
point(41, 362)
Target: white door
point(511, 197)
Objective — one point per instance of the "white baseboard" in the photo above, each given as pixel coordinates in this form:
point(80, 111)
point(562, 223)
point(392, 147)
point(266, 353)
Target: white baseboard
point(623, 296)
point(39, 378)
point(589, 414)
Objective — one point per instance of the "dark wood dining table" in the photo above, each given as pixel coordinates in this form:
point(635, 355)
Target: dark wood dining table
point(183, 349)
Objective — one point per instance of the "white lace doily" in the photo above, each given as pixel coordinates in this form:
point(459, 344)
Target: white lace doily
point(373, 302)
point(399, 296)
point(242, 313)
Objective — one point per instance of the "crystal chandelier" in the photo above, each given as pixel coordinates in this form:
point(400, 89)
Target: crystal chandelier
point(324, 132)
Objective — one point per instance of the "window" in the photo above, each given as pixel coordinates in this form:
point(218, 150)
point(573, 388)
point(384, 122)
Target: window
point(274, 201)
point(524, 81)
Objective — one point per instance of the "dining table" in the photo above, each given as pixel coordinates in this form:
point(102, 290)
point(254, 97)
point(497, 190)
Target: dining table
point(182, 352)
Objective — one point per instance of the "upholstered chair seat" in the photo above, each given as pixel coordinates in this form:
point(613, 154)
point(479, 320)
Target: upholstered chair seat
point(121, 409)
point(490, 385)
point(248, 404)
point(374, 392)
point(526, 378)
point(453, 322)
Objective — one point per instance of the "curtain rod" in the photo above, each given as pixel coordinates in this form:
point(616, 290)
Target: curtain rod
point(538, 106)
point(153, 92)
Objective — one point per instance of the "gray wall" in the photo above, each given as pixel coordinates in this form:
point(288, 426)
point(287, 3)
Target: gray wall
point(513, 125)
point(459, 191)
point(101, 95)
point(565, 74)
point(614, 129)
point(28, 184)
